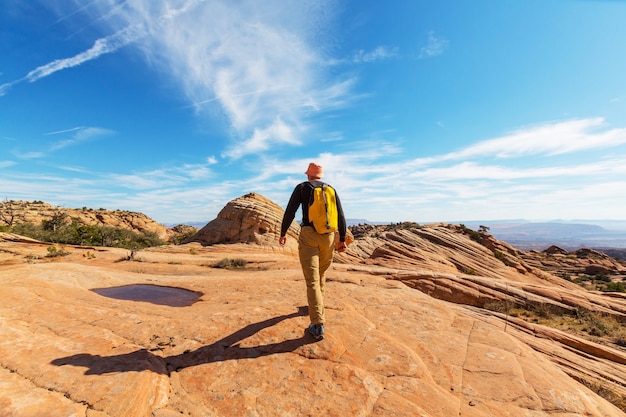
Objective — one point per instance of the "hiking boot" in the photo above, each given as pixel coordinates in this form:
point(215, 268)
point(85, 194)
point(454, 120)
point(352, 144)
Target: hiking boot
point(317, 331)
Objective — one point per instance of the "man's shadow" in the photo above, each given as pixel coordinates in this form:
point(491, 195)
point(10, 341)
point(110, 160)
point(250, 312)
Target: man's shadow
point(223, 350)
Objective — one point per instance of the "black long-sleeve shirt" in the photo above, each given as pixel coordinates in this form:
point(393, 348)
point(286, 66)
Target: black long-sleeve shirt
point(301, 195)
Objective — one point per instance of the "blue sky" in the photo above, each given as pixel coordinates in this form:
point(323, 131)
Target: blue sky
point(419, 110)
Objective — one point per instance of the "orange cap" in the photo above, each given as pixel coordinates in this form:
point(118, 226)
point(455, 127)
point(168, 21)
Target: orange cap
point(314, 170)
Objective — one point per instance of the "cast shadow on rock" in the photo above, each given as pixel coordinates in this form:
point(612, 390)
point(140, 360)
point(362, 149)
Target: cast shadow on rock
point(223, 350)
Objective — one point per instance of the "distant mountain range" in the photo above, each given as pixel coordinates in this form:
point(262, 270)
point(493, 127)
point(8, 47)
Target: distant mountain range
point(568, 235)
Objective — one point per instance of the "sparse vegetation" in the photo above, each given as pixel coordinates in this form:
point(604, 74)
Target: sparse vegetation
point(365, 230)
point(230, 263)
point(55, 231)
point(606, 393)
point(53, 252)
point(10, 213)
point(132, 256)
point(599, 282)
point(614, 287)
point(473, 234)
point(42, 221)
point(501, 256)
point(402, 225)
point(590, 324)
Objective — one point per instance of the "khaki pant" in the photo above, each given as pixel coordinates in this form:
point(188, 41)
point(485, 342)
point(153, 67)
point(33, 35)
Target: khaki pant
point(316, 256)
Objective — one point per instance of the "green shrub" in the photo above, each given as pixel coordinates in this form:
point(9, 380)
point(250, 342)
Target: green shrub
point(402, 225)
point(501, 256)
point(602, 278)
point(77, 233)
point(53, 252)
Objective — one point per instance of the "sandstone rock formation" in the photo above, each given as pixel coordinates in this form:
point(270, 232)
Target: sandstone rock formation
point(36, 212)
point(422, 321)
point(574, 264)
point(241, 349)
point(251, 218)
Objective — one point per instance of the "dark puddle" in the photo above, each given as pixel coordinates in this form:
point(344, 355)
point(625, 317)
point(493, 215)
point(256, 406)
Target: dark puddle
point(155, 294)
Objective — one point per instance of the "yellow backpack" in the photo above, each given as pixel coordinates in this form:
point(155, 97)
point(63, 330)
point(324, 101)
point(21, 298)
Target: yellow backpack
point(323, 212)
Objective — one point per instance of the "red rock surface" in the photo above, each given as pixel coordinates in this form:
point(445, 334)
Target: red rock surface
point(408, 331)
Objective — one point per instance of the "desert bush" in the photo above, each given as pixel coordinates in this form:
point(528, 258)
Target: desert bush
point(501, 256)
point(543, 310)
point(500, 306)
point(600, 325)
point(565, 276)
point(607, 393)
point(603, 278)
point(88, 235)
point(53, 252)
point(473, 234)
point(230, 263)
point(402, 225)
point(614, 287)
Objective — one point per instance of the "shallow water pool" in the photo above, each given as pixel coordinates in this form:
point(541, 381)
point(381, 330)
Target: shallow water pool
point(156, 294)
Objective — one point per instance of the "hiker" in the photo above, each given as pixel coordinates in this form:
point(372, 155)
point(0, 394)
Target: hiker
point(315, 249)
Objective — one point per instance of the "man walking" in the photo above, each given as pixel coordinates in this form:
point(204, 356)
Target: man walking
point(315, 249)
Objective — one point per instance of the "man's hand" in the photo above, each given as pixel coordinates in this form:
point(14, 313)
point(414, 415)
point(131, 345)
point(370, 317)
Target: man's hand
point(341, 247)
point(282, 240)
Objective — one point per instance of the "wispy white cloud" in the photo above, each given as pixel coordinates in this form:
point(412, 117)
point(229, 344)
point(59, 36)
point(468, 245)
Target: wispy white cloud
point(100, 47)
point(262, 139)
point(497, 178)
point(5, 164)
point(377, 54)
point(73, 129)
point(163, 178)
point(78, 135)
point(433, 47)
point(28, 155)
point(263, 67)
point(69, 137)
point(553, 138)
point(431, 189)
point(256, 65)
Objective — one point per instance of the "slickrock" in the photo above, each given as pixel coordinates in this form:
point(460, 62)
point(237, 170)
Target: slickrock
point(251, 218)
point(411, 328)
point(444, 262)
point(241, 349)
point(583, 261)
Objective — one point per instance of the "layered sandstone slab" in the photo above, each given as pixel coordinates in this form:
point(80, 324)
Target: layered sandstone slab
point(241, 349)
point(251, 218)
